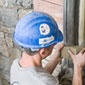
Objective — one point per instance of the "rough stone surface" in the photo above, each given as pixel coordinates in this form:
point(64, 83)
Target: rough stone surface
point(8, 17)
point(4, 29)
point(14, 52)
point(8, 37)
point(5, 82)
point(74, 49)
point(22, 3)
point(22, 12)
point(10, 12)
point(3, 47)
point(5, 63)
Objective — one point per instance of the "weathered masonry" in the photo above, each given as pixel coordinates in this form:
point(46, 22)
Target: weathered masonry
point(10, 12)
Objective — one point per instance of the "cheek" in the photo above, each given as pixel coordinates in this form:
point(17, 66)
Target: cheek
point(46, 55)
point(50, 51)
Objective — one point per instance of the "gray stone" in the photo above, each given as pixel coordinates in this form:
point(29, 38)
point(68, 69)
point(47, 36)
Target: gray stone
point(23, 12)
point(12, 29)
point(0, 82)
point(4, 29)
point(5, 82)
point(3, 47)
point(14, 52)
point(8, 17)
point(21, 3)
point(0, 79)
point(5, 64)
point(9, 41)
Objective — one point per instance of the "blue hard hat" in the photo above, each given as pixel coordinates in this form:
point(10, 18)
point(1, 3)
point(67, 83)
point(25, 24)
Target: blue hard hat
point(37, 30)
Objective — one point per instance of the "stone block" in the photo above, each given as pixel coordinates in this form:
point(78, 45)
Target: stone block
point(74, 49)
point(5, 64)
point(3, 47)
point(20, 3)
point(4, 29)
point(64, 51)
point(23, 12)
point(5, 82)
point(8, 17)
point(9, 41)
point(23, 3)
point(14, 53)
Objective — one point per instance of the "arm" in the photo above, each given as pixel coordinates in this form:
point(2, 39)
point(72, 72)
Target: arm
point(50, 66)
point(79, 62)
point(77, 77)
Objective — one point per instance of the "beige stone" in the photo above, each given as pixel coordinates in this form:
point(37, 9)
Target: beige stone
point(14, 52)
point(5, 82)
point(4, 29)
point(3, 47)
point(23, 12)
point(64, 52)
point(9, 41)
point(74, 49)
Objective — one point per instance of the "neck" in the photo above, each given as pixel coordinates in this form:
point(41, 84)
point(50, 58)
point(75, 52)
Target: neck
point(29, 61)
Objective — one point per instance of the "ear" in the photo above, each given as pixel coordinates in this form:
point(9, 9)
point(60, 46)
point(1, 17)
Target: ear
point(42, 51)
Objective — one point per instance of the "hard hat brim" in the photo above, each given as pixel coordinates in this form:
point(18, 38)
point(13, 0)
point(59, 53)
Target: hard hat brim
point(58, 38)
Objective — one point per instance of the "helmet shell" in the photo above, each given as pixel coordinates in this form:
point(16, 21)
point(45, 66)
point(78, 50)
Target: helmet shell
point(37, 30)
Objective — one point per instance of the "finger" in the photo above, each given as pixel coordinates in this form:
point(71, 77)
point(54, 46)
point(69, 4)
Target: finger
point(82, 51)
point(70, 53)
point(60, 46)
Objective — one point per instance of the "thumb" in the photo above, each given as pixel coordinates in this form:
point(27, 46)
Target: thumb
point(71, 53)
point(60, 47)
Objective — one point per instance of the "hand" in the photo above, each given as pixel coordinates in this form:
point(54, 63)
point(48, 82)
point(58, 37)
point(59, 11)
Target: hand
point(79, 59)
point(57, 51)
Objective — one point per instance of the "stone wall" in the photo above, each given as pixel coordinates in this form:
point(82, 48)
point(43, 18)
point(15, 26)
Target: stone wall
point(10, 12)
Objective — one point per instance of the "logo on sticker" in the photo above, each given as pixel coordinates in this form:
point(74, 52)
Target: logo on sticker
point(46, 40)
point(44, 29)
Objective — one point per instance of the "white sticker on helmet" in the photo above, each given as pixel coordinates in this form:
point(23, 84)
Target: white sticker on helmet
point(46, 40)
point(44, 29)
